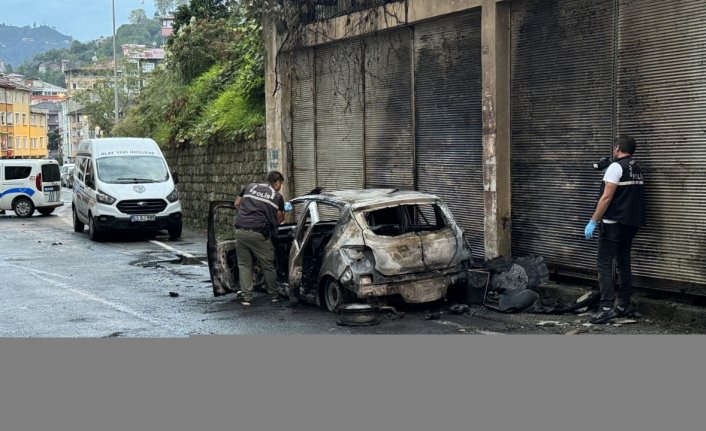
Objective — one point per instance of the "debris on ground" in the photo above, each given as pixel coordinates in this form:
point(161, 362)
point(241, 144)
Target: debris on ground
point(388, 312)
point(173, 294)
point(432, 316)
point(459, 309)
point(577, 332)
point(626, 321)
point(551, 323)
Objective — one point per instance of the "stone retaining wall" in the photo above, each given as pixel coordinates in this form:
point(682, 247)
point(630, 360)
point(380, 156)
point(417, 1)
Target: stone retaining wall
point(215, 172)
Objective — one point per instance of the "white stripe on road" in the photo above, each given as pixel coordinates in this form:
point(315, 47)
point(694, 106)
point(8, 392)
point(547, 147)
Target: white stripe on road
point(88, 295)
point(178, 252)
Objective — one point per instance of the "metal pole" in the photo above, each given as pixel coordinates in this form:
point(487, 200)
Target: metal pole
point(115, 68)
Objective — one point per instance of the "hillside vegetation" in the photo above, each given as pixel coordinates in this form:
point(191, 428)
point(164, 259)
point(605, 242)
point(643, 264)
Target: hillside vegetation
point(212, 86)
point(19, 44)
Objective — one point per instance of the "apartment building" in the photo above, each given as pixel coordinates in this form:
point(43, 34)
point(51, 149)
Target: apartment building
point(24, 129)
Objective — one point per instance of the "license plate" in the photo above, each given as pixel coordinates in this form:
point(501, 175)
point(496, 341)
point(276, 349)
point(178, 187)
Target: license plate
point(138, 218)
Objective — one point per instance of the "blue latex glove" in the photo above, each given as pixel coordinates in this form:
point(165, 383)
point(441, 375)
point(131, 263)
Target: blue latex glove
point(590, 227)
point(287, 207)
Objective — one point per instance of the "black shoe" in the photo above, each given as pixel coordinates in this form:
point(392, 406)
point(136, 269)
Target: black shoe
point(605, 315)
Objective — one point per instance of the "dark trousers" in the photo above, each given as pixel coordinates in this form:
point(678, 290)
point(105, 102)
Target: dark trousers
point(615, 241)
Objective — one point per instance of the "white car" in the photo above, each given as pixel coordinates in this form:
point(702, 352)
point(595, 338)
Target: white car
point(67, 175)
point(29, 184)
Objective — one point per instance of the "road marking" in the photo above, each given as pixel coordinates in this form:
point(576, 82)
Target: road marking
point(88, 295)
point(178, 252)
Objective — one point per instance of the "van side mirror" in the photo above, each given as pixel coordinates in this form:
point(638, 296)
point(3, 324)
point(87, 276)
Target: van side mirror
point(175, 178)
point(89, 181)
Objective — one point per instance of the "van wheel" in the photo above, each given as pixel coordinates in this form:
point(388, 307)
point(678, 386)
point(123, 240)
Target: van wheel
point(78, 224)
point(174, 232)
point(93, 232)
point(45, 211)
point(335, 295)
point(23, 207)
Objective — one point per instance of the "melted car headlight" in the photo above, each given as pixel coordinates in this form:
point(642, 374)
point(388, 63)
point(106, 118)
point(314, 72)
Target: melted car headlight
point(173, 196)
point(104, 198)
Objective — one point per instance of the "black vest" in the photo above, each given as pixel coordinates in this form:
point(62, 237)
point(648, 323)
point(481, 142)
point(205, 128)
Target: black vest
point(628, 204)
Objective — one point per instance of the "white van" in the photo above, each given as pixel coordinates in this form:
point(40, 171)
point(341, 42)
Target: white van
point(124, 184)
point(29, 184)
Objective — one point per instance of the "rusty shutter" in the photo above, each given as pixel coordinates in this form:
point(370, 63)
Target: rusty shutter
point(389, 142)
point(449, 147)
point(303, 139)
point(662, 103)
point(339, 116)
point(561, 112)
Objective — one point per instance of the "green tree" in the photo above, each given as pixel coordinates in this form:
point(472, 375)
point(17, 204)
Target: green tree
point(202, 10)
point(138, 16)
point(212, 87)
point(164, 7)
point(54, 140)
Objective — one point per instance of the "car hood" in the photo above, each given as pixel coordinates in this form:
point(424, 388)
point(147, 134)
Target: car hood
point(137, 191)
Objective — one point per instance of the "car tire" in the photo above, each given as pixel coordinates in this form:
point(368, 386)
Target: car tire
point(23, 207)
point(45, 211)
point(78, 224)
point(335, 295)
point(93, 231)
point(175, 232)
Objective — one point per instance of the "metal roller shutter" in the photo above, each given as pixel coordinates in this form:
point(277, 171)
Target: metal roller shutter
point(303, 112)
point(449, 147)
point(562, 118)
point(339, 116)
point(661, 102)
point(389, 142)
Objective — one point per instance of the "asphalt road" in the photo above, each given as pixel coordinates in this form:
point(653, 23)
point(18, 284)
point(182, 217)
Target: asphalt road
point(58, 283)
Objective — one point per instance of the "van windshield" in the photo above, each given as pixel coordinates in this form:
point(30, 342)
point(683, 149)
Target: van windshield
point(132, 169)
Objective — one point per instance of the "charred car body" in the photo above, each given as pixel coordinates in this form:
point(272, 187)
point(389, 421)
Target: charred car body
point(353, 246)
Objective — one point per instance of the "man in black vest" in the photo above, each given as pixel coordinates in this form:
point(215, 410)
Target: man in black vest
point(260, 211)
point(621, 208)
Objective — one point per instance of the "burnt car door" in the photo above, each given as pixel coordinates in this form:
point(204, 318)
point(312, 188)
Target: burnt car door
point(222, 256)
point(302, 234)
point(308, 251)
point(220, 247)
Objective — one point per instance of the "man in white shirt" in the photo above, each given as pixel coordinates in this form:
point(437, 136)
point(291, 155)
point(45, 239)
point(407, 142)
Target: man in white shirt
point(621, 209)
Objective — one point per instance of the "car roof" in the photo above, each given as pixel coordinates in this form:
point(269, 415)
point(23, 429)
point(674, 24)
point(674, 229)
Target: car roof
point(371, 198)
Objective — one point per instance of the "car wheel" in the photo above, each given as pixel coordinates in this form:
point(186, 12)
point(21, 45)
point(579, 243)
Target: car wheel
point(174, 232)
point(78, 224)
point(93, 232)
point(335, 295)
point(23, 207)
point(45, 211)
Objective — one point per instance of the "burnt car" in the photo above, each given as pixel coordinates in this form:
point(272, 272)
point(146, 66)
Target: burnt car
point(354, 246)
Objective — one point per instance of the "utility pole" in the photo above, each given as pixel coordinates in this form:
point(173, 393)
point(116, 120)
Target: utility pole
point(115, 69)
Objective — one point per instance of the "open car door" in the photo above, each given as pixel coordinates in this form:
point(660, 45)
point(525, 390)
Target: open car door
point(222, 256)
point(220, 248)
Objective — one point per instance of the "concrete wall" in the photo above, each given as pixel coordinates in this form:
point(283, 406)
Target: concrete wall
point(215, 172)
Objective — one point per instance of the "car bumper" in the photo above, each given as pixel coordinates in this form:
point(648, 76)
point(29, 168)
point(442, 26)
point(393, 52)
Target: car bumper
point(415, 290)
point(112, 223)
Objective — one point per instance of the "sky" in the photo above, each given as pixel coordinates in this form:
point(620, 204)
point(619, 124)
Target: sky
point(83, 20)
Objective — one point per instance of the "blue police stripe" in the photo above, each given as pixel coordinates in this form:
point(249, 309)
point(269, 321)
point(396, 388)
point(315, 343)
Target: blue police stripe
point(26, 191)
